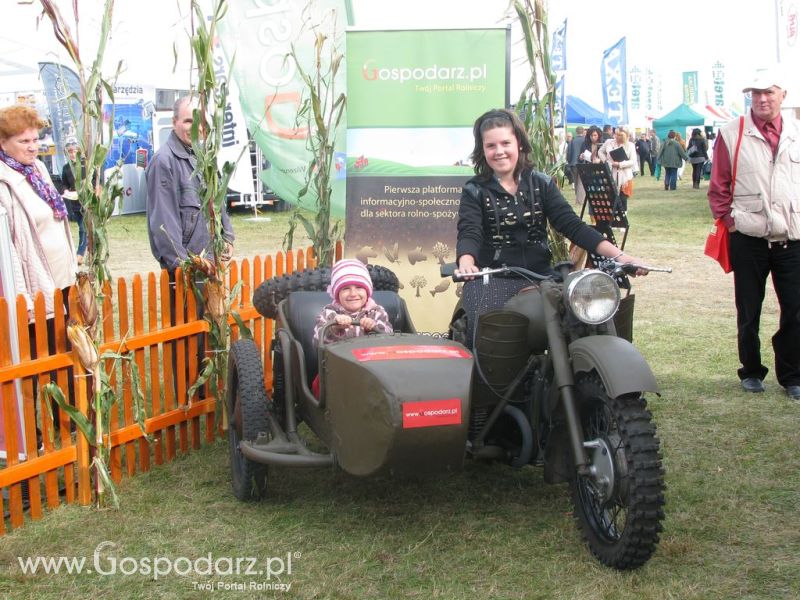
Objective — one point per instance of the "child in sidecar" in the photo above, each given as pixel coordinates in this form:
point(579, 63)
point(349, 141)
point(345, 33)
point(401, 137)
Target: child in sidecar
point(351, 291)
point(353, 309)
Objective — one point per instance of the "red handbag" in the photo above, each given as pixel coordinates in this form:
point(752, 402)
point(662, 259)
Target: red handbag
point(718, 241)
point(718, 244)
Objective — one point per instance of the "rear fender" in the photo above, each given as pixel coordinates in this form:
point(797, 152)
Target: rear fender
point(620, 365)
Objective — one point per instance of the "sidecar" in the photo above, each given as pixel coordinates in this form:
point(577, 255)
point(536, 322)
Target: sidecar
point(388, 403)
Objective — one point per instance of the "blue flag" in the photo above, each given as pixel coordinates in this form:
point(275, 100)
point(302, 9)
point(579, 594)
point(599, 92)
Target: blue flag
point(62, 91)
point(615, 84)
point(558, 49)
point(560, 104)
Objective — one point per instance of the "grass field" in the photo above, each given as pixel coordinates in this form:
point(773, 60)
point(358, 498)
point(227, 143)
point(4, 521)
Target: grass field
point(732, 527)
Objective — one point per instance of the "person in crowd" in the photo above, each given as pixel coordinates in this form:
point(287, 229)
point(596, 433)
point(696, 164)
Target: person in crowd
point(655, 146)
point(697, 151)
point(70, 195)
point(176, 225)
point(42, 254)
point(643, 151)
point(353, 309)
point(753, 189)
point(588, 154)
point(682, 142)
point(564, 140)
point(504, 212)
point(620, 154)
point(573, 152)
point(608, 132)
point(671, 156)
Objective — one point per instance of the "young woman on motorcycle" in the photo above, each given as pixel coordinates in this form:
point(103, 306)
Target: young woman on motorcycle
point(503, 215)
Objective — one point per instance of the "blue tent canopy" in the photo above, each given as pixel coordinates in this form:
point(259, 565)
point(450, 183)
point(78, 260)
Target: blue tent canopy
point(580, 113)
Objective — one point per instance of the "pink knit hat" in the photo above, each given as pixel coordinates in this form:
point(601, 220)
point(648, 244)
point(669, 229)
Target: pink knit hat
point(349, 272)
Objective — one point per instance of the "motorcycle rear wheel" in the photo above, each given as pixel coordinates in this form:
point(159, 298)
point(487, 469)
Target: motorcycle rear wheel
point(620, 520)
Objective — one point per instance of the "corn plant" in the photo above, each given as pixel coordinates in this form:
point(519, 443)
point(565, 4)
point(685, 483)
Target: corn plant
point(537, 102)
point(206, 275)
point(321, 111)
point(98, 202)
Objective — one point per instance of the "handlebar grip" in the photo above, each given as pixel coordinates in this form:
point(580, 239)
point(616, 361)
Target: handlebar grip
point(448, 269)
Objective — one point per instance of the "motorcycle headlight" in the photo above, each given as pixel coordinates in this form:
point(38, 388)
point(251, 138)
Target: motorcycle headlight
point(593, 296)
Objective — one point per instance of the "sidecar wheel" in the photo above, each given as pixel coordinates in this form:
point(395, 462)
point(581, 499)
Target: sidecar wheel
point(270, 293)
point(247, 417)
point(619, 515)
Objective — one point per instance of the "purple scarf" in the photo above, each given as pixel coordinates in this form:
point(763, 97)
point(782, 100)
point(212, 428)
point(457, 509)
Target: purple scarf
point(39, 184)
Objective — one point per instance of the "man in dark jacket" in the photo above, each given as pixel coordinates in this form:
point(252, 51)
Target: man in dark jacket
point(175, 224)
point(643, 150)
point(573, 152)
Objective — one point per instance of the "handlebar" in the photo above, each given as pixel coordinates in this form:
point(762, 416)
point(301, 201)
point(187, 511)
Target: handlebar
point(611, 266)
point(631, 268)
point(449, 270)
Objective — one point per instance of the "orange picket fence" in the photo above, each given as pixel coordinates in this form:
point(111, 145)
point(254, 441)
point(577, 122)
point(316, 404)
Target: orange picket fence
point(45, 461)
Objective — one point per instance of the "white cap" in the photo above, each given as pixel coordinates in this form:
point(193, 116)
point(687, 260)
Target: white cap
point(765, 79)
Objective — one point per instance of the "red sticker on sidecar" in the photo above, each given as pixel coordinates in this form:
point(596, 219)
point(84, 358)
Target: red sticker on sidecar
point(431, 413)
point(409, 352)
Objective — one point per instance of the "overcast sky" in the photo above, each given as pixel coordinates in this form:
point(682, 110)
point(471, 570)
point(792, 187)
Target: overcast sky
point(685, 35)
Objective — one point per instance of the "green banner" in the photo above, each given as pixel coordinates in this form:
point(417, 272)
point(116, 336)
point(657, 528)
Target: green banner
point(432, 78)
point(257, 37)
point(690, 91)
point(413, 97)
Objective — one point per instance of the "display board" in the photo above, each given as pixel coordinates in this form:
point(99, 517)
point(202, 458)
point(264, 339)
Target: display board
point(413, 97)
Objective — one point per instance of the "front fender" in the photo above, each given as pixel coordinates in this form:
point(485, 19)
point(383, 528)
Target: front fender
point(620, 365)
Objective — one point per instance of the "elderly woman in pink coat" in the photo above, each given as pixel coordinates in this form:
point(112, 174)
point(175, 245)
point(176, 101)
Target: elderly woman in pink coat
point(42, 254)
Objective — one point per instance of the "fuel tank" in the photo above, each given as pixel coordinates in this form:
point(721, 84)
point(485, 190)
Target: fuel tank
point(529, 302)
point(397, 404)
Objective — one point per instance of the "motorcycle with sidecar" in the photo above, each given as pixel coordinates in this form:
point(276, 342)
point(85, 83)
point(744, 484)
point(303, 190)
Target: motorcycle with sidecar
point(546, 381)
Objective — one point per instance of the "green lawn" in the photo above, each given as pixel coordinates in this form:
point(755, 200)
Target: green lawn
point(732, 527)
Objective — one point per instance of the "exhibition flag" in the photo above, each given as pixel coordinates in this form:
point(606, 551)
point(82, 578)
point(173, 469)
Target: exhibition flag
point(690, 95)
point(614, 82)
point(62, 91)
point(558, 49)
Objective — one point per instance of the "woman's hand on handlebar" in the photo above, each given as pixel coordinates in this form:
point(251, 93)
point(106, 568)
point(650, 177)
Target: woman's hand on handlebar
point(625, 259)
point(466, 265)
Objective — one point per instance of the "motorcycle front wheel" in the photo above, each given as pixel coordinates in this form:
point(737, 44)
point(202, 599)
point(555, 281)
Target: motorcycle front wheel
point(619, 508)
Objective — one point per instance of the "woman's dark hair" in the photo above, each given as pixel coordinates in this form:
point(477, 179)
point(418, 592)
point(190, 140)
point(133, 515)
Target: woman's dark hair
point(696, 132)
point(500, 118)
point(587, 142)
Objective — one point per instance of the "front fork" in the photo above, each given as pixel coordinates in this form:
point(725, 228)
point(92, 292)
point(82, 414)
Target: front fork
point(564, 377)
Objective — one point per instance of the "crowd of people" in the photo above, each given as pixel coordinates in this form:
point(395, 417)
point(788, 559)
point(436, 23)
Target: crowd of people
point(646, 155)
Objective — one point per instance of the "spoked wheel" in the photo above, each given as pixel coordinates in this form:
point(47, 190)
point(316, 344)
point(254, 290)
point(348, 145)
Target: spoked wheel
point(619, 507)
point(247, 418)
